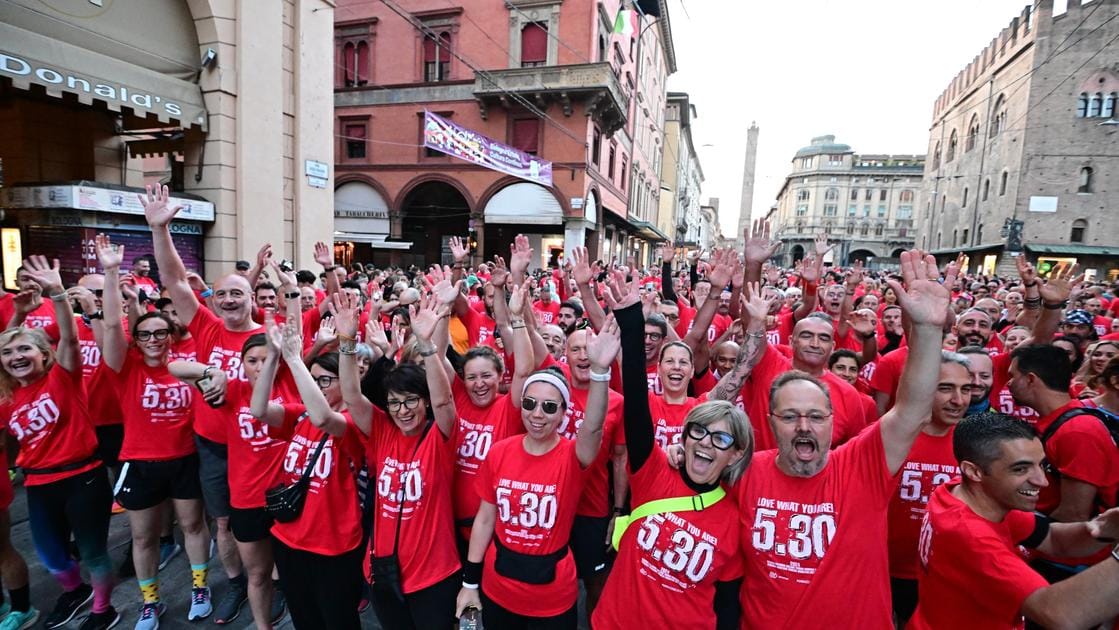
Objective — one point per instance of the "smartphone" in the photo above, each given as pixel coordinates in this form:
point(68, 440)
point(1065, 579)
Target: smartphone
point(204, 384)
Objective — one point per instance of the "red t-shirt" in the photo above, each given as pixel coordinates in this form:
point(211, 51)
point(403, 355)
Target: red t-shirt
point(479, 428)
point(49, 419)
point(103, 409)
point(221, 348)
point(668, 419)
point(256, 454)
point(147, 284)
point(782, 329)
point(653, 377)
point(158, 421)
point(479, 327)
point(972, 574)
point(419, 481)
point(546, 313)
point(1083, 450)
point(930, 463)
point(183, 350)
point(41, 317)
point(887, 374)
point(330, 524)
point(596, 492)
point(668, 563)
point(791, 523)
point(536, 497)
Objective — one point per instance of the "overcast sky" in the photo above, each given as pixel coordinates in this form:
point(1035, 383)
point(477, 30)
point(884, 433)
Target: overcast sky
point(867, 71)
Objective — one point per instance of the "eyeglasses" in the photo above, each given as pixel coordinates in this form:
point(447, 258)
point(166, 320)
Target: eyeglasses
point(791, 417)
point(549, 406)
point(671, 316)
point(654, 336)
point(408, 403)
point(145, 335)
point(97, 292)
point(719, 439)
point(325, 380)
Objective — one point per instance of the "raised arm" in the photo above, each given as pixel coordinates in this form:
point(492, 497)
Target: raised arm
point(290, 341)
point(602, 350)
point(261, 405)
point(925, 301)
point(172, 272)
point(426, 321)
point(810, 273)
point(114, 346)
point(524, 356)
point(583, 275)
point(263, 255)
point(637, 419)
point(47, 276)
point(520, 256)
point(851, 283)
point(723, 265)
point(752, 349)
point(667, 253)
point(346, 308)
point(1054, 295)
point(758, 249)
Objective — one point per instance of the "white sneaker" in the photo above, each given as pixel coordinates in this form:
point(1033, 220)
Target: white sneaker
point(149, 616)
point(200, 606)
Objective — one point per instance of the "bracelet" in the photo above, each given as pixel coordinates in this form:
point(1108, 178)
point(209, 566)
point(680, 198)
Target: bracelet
point(292, 295)
point(58, 297)
point(1030, 284)
point(345, 337)
point(755, 335)
point(471, 574)
point(600, 378)
point(618, 511)
point(207, 293)
point(329, 268)
point(466, 584)
point(96, 315)
point(517, 326)
point(426, 352)
point(870, 335)
point(1115, 552)
point(457, 265)
point(1053, 306)
point(349, 352)
point(206, 372)
point(514, 322)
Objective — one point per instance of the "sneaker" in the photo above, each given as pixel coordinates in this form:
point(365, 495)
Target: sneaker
point(118, 508)
point(279, 605)
point(149, 616)
point(102, 620)
point(230, 605)
point(68, 605)
point(200, 606)
point(19, 620)
point(167, 552)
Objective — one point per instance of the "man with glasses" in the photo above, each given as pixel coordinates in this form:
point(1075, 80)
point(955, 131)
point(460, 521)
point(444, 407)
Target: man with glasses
point(801, 503)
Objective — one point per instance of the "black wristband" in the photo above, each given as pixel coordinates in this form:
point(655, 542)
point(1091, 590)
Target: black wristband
point(1055, 306)
point(472, 572)
point(1030, 284)
point(618, 511)
point(96, 315)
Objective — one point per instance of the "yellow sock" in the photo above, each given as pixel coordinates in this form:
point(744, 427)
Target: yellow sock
point(198, 573)
point(150, 590)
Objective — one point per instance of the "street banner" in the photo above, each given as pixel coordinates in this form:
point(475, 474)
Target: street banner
point(445, 136)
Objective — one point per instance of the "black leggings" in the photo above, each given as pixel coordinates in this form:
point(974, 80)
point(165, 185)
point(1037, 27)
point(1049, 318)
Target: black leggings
point(322, 591)
point(429, 608)
point(904, 595)
point(494, 616)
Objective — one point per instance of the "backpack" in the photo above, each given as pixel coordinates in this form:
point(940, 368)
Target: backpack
point(1110, 422)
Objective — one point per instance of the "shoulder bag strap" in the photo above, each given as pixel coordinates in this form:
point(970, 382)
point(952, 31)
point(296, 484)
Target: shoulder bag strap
point(693, 503)
point(403, 496)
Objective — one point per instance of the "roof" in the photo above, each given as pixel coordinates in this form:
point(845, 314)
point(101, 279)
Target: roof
point(821, 145)
point(1073, 248)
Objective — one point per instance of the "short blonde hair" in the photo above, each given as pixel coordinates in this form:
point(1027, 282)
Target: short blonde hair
point(710, 412)
point(39, 339)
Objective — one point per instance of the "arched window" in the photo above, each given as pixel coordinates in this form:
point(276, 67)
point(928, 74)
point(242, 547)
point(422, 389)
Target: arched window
point(1082, 105)
point(879, 229)
point(1079, 227)
point(979, 234)
point(362, 63)
point(864, 229)
point(936, 156)
point(802, 195)
point(953, 143)
point(938, 240)
point(906, 196)
point(349, 64)
point(1002, 184)
point(963, 203)
point(1110, 105)
point(955, 235)
point(1085, 185)
point(986, 188)
point(534, 45)
point(800, 227)
point(850, 228)
point(1095, 102)
point(437, 58)
point(832, 194)
point(827, 227)
point(972, 133)
point(998, 117)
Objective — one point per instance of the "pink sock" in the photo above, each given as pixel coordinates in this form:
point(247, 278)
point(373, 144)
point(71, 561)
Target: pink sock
point(70, 578)
point(102, 594)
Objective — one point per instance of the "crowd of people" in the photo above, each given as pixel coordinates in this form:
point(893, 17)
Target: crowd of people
point(713, 442)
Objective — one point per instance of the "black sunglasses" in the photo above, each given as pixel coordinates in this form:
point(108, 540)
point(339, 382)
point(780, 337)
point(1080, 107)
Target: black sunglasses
point(549, 406)
point(719, 439)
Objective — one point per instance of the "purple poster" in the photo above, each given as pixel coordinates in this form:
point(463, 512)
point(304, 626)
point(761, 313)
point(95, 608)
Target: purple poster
point(443, 135)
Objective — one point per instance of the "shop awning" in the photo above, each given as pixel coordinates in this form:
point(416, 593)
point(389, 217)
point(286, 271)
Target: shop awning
point(524, 203)
point(1073, 249)
point(376, 241)
point(97, 197)
point(28, 58)
point(647, 230)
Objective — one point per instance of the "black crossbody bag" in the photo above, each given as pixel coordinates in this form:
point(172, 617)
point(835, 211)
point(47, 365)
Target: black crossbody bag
point(386, 569)
point(284, 503)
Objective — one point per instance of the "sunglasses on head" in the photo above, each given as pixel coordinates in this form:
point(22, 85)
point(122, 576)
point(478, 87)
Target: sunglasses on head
point(719, 439)
point(549, 406)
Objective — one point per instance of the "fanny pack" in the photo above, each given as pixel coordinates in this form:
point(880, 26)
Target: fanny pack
point(527, 568)
point(385, 570)
point(284, 503)
point(693, 503)
point(81, 463)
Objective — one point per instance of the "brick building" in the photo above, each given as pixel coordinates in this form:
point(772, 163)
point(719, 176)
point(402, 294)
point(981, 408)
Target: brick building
point(1022, 145)
point(549, 77)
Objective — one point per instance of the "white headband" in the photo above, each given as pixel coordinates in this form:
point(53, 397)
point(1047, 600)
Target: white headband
point(554, 381)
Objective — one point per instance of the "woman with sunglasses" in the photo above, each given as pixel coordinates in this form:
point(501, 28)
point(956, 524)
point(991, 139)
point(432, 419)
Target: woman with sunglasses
point(43, 404)
point(530, 487)
point(160, 459)
point(680, 566)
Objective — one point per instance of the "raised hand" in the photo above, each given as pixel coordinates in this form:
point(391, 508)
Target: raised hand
point(459, 251)
point(196, 282)
point(346, 308)
point(443, 290)
point(1026, 271)
point(722, 268)
point(756, 306)
point(285, 278)
point(156, 209)
point(520, 255)
point(324, 255)
point(27, 301)
point(856, 274)
point(821, 245)
point(863, 321)
point(622, 291)
point(292, 342)
point(328, 333)
point(667, 251)
point(1060, 284)
point(772, 274)
point(922, 298)
point(264, 256)
point(426, 316)
point(375, 335)
point(518, 297)
point(603, 348)
point(108, 254)
point(44, 273)
point(582, 267)
point(84, 297)
point(759, 248)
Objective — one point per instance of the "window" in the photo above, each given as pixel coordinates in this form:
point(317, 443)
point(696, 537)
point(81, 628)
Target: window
point(964, 202)
point(1002, 184)
point(866, 210)
point(906, 196)
point(955, 238)
point(610, 162)
point(526, 135)
point(979, 234)
point(355, 63)
point(882, 194)
point(807, 162)
point(998, 117)
point(972, 133)
point(1082, 105)
point(854, 194)
point(534, 45)
point(963, 237)
point(1085, 180)
point(938, 240)
point(831, 194)
point(879, 229)
point(835, 160)
point(437, 58)
point(881, 211)
point(802, 210)
point(1079, 226)
point(986, 188)
point(905, 212)
point(953, 143)
point(936, 156)
point(802, 195)
point(869, 194)
point(601, 48)
point(800, 227)
point(596, 147)
point(850, 228)
point(864, 229)
point(1095, 102)
point(852, 210)
point(354, 137)
point(829, 210)
point(827, 227)
point(1110, 104)
point(624, 174)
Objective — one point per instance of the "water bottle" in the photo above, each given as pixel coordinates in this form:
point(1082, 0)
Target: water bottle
point(471, 619)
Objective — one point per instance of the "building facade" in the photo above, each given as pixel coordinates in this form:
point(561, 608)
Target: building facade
point(682, 175)
point(1022, 146)
point(864, 202)
point(98, 99)
point(548, 77)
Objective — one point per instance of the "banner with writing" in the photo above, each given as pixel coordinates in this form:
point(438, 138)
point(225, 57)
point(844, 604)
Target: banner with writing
point(445, 136)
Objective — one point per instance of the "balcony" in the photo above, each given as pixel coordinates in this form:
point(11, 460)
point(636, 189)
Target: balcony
point(592, 83)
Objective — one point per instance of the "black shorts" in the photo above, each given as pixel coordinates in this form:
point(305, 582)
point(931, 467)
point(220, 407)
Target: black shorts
point(250, 525)
point(146, 484)
point(214, 476)
point(588, 545)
